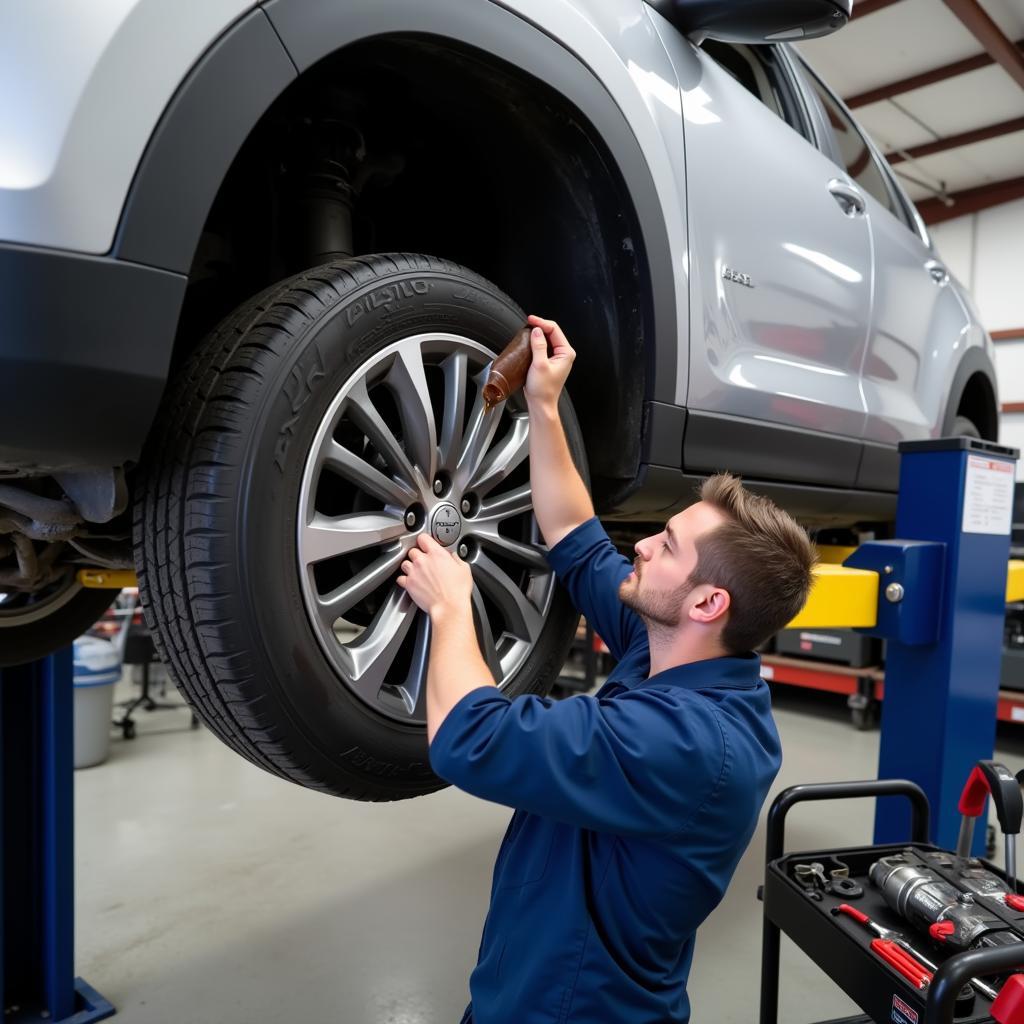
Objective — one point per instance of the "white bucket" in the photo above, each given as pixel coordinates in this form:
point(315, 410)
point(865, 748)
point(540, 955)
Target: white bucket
point(97, 669)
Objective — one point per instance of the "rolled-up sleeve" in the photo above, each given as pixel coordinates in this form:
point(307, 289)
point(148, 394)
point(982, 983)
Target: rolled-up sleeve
point(589, 567)
point(640, 763)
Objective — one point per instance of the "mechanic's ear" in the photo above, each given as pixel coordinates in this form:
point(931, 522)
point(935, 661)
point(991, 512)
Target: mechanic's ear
point(710, 605)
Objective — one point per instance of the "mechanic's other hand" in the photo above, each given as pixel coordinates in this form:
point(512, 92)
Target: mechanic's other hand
point(436, 578)
point(547, 374)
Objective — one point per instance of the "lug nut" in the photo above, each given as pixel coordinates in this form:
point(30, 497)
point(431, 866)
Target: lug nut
point(410, 519)
point(463, 551)
point(466, 506)
point(438, 487)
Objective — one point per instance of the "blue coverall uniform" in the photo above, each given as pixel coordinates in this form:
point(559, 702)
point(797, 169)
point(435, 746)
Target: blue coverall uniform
point(633, 808)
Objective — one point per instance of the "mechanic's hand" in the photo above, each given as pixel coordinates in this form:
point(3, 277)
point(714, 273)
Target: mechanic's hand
point(436, 578)
point(547, 374)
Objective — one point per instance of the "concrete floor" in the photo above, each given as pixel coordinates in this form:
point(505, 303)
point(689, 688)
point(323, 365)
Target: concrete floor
point(208, 891)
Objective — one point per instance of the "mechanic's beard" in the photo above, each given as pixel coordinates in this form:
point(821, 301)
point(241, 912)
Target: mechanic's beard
point(659, 609)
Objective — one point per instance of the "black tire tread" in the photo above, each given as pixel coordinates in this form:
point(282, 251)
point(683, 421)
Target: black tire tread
point(199, 642)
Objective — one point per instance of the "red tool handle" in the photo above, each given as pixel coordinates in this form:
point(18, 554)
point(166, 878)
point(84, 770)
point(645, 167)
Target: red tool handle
point(857, 915)
point(902, 962)
point(1008, 1007)
point(972, 799)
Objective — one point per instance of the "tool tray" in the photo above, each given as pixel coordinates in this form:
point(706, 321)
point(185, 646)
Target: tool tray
point(841, 946)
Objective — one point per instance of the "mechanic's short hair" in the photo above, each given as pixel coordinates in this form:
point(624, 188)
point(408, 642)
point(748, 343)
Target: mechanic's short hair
point(760, 555)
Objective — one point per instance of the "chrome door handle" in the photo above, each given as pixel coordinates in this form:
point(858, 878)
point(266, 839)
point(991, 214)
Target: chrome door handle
point(939, 274)
point(850, 201)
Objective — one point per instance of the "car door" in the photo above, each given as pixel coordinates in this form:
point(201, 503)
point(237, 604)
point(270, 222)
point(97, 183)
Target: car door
point(918, 322)
point(780, 270)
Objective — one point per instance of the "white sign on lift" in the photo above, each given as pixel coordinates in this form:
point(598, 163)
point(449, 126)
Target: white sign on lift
point(988, 496)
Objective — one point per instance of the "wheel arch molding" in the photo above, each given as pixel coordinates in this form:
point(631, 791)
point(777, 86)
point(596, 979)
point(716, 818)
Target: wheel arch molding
point(234, 85)
point(975, 382)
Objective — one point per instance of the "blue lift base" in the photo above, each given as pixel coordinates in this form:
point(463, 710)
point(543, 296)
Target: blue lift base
point(89, 1006)
point(37, 927)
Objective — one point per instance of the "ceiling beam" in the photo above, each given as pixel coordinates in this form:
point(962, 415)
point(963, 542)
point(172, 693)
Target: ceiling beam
point(971, 200)
point(960, 67)
point(864, 7)
point(992, 131)
point(990, 35)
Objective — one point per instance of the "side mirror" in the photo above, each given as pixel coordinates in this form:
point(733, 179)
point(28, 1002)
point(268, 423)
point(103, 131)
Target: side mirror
point(754, 21)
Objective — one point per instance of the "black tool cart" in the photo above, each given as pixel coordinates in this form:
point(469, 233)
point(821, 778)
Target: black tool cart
point(852, 911)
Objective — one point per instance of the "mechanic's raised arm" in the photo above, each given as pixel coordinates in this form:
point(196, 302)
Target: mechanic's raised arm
point(560, 498)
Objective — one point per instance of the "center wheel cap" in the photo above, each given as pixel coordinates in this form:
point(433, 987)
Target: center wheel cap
point(446, 524)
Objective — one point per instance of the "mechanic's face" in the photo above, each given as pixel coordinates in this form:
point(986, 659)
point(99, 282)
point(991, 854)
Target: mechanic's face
point(658, 589)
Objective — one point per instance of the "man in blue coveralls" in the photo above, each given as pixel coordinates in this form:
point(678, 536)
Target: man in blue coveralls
point(632, 806)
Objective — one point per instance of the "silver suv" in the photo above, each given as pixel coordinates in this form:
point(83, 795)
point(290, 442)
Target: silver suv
point(222, 364)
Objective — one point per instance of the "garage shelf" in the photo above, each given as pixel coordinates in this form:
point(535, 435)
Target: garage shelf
point(861, 684)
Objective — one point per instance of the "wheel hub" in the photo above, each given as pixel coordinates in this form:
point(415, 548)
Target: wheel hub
point(446, 524)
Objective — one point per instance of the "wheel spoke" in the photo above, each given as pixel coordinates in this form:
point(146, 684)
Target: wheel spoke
point(368, 660)
point(414, 690)
point(483, 423)
point(328, 536)
point(525, 554)
point(408, 381)
point(456, 368)
point(357, 470)
point(334, 605)
point(485, 636)
point(503, 458)
point(363, 413)
point(521, 617)
point(504, 506)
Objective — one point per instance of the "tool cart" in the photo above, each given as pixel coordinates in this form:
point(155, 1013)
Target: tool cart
point(913, 933)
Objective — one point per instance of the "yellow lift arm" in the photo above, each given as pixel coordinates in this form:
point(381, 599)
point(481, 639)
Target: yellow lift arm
point(841, 598)
point(844, 598)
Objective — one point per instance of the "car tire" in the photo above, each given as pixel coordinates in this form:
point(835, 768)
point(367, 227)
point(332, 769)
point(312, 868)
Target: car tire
point(293, 435)
point(32, 627)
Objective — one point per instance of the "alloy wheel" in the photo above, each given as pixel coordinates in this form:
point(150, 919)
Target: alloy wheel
point(407, 446)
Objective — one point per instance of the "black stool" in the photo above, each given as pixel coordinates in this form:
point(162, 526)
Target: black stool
point(139, 650)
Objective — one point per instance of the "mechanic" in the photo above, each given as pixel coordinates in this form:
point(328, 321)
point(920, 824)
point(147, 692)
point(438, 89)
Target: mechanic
point(632, 806)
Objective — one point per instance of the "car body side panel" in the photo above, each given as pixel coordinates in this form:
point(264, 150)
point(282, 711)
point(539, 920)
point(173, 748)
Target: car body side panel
point(924, 332)
point(920, 329)
point(81, 87)
point(786, 348)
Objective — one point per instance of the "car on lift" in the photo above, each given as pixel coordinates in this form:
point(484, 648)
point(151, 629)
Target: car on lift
point(256, 262)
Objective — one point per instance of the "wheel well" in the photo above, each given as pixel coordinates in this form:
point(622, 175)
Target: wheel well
point(463, 157)
point(978, 404)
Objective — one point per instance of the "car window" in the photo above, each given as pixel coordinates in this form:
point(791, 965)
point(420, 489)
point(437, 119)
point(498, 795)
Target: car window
point(758, 70)
point(857, 157)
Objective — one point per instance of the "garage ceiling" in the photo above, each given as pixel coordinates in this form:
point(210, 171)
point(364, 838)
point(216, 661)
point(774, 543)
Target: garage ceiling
point(939, 86)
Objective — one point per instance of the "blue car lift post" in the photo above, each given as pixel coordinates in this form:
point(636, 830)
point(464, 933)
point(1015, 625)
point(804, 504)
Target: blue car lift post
point(37, 932)
point(939, 600)
point(941, 608)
